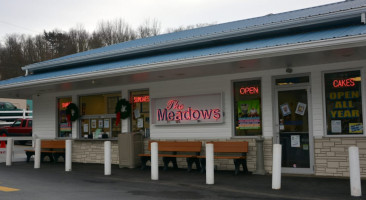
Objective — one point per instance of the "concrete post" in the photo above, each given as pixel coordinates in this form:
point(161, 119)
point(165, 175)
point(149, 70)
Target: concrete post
point(37, 154)
point(276, 168)
point(354, 171)
point(260, 157)
point(68, 155)
point(9, 151)
point(107, 158)
point(154, 161)
point(210, 174)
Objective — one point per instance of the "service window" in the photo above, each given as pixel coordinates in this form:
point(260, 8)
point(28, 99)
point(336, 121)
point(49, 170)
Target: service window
point(343, 102)
point(98, 119)
point(64, 127)
point(140, 116)
point(247, 108)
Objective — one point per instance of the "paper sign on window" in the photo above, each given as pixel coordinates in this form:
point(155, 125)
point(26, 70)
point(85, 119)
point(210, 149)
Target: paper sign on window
point(285, 109)
point(300, 109)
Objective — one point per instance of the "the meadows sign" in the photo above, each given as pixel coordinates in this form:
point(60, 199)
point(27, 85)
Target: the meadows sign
point(187, 109)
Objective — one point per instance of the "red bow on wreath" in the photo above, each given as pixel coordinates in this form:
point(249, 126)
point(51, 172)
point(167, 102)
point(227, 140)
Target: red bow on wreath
point(68, 116)
point(123, 103)
point(118, 116)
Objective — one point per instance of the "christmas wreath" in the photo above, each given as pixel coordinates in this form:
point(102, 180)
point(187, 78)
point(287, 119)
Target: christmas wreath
point(72, 112)
point(123, 110)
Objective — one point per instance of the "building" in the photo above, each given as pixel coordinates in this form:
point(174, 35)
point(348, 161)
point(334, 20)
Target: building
point(295, 78)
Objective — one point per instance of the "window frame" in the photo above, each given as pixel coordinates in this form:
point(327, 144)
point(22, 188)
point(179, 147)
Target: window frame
point(363, 97)
point(146, 130)
point(96, 116)
point(233, 108)
point(57, 116)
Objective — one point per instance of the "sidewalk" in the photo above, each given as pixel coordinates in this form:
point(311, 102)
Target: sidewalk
point(87, 181)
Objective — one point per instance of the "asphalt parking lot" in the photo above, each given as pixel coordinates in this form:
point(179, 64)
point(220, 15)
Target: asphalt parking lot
point(87, 181)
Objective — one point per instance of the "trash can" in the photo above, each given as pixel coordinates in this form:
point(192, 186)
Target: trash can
point(129, 146)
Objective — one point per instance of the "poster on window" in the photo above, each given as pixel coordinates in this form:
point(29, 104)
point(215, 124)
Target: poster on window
point(355, 128)
point(249, 114)
point(295, 140)
point(336, 126)
point(285, 109)
point(300, 108)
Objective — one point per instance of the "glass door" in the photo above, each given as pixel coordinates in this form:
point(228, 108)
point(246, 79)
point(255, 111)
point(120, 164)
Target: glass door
point(294, 129)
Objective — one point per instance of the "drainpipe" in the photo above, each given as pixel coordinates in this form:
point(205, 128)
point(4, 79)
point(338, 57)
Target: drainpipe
point(363, 18)
point(26, 72)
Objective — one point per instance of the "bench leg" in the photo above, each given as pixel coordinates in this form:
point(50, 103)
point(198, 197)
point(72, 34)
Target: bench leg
point(203, 165)
point(29, 155)
point(167, 160)
point(190, 162)
point(242, 162)
point(144, 160)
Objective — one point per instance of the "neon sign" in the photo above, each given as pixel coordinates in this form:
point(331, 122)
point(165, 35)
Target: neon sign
point(168, 113)
point(195, 109)
point(249, 90)
point(64, 105)
point(142, 99)
point(344, 83)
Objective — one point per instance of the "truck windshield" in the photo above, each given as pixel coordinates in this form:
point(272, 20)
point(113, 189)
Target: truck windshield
point(17, 123)
point(9, 106)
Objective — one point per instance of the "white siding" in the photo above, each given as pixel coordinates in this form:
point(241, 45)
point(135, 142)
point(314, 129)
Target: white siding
point(45, 105)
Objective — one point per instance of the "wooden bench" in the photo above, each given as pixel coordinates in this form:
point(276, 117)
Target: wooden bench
point(222, 148)
point(171, 150)
point(51, 148)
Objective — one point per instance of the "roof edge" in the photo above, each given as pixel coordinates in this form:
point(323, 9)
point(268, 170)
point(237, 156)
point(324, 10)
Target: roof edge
point(353, 41)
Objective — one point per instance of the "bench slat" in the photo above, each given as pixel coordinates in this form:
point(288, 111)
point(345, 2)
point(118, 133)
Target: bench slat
point(178, 146)
point(230, 147)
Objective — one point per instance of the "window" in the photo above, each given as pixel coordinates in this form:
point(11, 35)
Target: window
point(343, 102)
point(140, 119)
point(30, 123)
point(17, 123)
point(64, 127)
point(24, 123)
point(98, 119)
point(9, 106)
point(247, 108)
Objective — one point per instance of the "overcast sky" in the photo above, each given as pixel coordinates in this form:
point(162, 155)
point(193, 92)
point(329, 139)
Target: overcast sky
point(33, 16)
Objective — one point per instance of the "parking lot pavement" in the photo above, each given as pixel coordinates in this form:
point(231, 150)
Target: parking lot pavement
point(86, 181)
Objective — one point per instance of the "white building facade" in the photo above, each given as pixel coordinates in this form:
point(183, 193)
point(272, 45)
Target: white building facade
point(298, 81)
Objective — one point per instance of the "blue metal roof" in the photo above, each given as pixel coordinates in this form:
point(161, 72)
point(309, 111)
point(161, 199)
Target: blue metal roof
point(203, 52)
point(222, 28)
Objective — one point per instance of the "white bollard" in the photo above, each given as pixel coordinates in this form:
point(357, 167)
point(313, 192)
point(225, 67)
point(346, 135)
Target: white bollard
point(154, 161)
point(37, 154)
point(68, 155)
point(107, 158)
point(210, 174)
point(276, 166)
point(9, 151)
point(354, 171)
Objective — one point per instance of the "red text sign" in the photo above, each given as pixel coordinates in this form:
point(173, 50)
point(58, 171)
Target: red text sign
point(344, 83)
point(249, 90)
point(141, 99)
point(187, 109)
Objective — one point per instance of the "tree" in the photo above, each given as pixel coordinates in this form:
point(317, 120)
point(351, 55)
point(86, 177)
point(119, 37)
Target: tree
point(79, 38)
point(112, 32)
point(60, 43)
point(149, 28)
point(183, 28)
point(12, 58)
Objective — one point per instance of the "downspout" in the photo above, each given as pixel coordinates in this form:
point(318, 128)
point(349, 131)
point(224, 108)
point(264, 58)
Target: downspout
point(363, 18)
point(26, 72)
